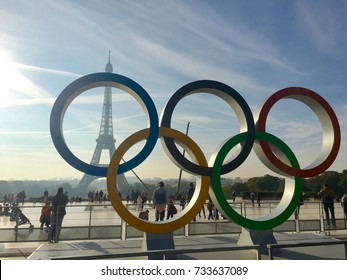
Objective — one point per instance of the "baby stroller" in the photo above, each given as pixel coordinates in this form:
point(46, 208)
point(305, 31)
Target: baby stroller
point(18, 216)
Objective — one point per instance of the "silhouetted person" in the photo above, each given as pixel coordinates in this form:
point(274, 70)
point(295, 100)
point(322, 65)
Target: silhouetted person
point(252, 195)
point(233, 196)
point(212, 211)
point(297, 210)
point(344, 204)
point(59, 202)
point(327, 194)
point(203, 211)
point(190, 193)
point(160, 199)
point(258, 198)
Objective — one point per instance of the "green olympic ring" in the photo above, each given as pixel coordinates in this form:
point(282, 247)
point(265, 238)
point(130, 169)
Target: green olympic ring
point(291, 194)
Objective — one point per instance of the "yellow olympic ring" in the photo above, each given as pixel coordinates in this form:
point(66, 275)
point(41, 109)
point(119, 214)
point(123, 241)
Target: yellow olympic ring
point(186, 215)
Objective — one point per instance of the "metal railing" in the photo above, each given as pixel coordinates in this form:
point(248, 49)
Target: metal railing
point(99, 221)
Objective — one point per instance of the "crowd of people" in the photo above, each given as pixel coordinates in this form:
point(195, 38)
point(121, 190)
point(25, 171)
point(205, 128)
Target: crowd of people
point(97, 196)
point(162, 202)
point(11, 198)
point(53, 211)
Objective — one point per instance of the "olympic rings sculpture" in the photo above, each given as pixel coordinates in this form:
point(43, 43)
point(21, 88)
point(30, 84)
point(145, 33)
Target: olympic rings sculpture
point(272, 151)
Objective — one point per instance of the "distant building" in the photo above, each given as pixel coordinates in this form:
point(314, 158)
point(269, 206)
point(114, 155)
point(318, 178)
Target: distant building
point(237, 180)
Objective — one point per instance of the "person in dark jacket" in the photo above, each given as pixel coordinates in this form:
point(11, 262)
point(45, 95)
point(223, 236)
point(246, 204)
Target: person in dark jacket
point(328, 195)
point(344, 204)
point(59, 202)
point(160, 200)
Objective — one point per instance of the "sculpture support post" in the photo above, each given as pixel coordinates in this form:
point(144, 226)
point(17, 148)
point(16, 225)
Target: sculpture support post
point(257, 237)
point(162, 241)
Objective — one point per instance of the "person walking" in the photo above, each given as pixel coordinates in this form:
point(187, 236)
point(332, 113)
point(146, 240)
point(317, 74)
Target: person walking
point(190, 193)
point(233, 195)
point(203, 211)
point(45, 196)
point(59, 202)
point(210, 208)
point(258, 198)
point(297, 210)
point(252, 195)
point(327, 194)
point(139, 203)
point(344, 204)
point(160, 200)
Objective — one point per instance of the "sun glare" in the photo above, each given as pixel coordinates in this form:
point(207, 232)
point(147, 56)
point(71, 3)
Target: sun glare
point(15, 88)
point(9, 76)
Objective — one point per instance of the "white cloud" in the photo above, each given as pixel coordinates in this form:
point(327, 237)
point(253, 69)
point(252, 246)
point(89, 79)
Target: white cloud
point(46, 70)
point(322, 22)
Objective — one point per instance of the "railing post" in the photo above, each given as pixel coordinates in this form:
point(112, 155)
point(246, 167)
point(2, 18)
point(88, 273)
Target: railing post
point(16, 235)
point(216, 221)
point(321, 216)
point(90, 220)
point(186, 230)
point(123, 230)
point(271, 256)
point(297, 225)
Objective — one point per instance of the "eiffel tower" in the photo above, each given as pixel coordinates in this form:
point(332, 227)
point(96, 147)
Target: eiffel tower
point(105, 141)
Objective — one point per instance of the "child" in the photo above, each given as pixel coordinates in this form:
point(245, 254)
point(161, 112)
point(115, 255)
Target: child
point(45, 217)
point(171, 210)
point(143, 215)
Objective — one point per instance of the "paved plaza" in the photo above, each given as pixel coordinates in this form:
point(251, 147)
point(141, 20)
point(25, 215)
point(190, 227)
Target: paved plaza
point(46, 251)
point(80, 214)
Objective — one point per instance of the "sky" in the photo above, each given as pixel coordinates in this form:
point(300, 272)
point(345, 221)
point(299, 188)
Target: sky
point(255, 47)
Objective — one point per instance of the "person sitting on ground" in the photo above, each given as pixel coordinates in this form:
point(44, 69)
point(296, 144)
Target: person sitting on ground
point(144, 215)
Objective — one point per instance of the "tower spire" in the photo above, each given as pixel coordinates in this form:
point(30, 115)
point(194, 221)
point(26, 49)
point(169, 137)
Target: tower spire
point(109, 67)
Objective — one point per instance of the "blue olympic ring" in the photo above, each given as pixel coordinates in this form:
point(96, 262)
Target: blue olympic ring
point(91, 81)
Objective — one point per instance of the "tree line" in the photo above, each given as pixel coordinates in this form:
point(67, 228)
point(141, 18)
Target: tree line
point(265, 184)
point(270, 184)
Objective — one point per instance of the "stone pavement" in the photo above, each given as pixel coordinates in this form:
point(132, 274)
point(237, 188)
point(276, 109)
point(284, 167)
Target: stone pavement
point(104, 215)
point(46, 251)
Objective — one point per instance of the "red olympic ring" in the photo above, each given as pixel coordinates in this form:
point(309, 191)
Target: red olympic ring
point(328, 120)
